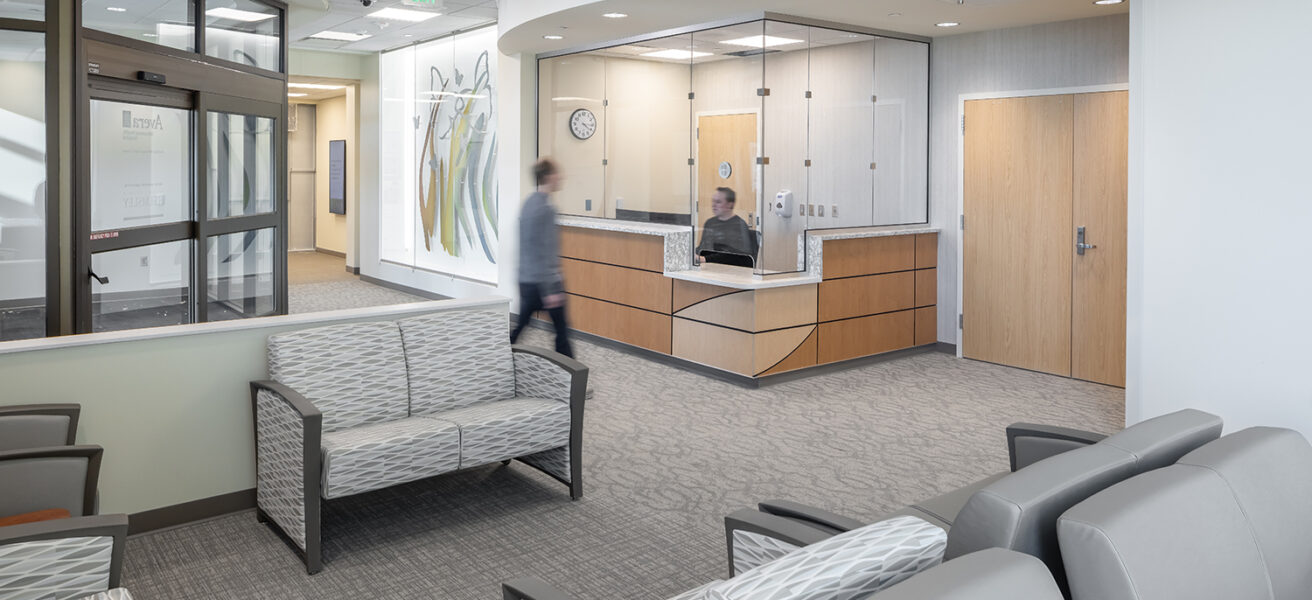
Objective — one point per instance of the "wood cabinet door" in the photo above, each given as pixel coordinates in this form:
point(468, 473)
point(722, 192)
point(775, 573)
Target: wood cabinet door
point(1098, 275)
point(1017, 248)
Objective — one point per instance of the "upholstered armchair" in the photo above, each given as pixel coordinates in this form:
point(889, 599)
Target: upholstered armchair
point(37, 425)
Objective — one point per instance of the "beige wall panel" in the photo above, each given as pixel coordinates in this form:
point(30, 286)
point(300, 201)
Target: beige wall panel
point(774, 346)
point(859, 296)
point(688, 293)
point(567, 84)
point(631, 287)
point(854, 338)
point(1099, 279)
point(731, 310)
point(731, 139)
point(331, 123)
point(926, 287)
point(926, 325)
point(1018, 239)
point(633, 250)
point(926, 250)
point(803, 356)
point(634, 326)
point(868, 256)
point(718, 347)
point(790, 306)
point(647, 136)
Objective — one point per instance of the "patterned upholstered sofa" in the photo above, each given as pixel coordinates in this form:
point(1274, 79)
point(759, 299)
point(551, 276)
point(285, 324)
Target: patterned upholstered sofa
point(362, 406)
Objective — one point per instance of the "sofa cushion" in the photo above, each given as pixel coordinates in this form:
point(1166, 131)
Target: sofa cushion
point(379, 455)
point(1161, 441)
point(945, 508)
point(993, 574)
point(508, 429)
point(354, 373)
point(458, 359)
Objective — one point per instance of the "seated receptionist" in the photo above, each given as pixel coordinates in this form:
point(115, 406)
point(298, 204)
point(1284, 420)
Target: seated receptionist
point(726, 238)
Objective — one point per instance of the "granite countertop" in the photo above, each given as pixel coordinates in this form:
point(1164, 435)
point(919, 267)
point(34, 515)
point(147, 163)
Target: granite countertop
point(865, 232)
point(622, 226)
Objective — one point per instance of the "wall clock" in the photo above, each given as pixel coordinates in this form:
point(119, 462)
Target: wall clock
point(582, 123)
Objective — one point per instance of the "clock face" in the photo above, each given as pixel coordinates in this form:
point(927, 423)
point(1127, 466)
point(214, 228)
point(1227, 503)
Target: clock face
point(582, 123)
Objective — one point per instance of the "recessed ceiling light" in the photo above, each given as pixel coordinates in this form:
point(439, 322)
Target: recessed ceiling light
point(149, 35)
point(761, 41)
point(296, 95)
point(947, 24)
point(339, 36)
point(614, 15)
point(553, 37)
point(316, 86)
point(401, 14)
point(894, 14)
point(675, 54)
point(232, 14)
point(407, 35)
point(116, 9)
point(1108, 1)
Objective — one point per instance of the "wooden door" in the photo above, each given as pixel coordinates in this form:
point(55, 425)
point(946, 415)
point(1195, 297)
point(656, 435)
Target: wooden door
point(1098, 283)
point(726, 139)
point(1017, 249)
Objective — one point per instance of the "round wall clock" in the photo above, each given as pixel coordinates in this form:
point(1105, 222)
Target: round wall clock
point(582, 123)
point(725, 170)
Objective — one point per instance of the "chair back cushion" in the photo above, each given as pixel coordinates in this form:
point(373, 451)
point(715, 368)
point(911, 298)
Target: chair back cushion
point(458, 359)
point(1161, 441)
point(1269, 471)
point(993, 574)
point(354, 373)
point(33, 431)
point(43, 483)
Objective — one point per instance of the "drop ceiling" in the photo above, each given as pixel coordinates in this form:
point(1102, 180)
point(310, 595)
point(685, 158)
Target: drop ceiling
point(313, 95)
point(308, 17)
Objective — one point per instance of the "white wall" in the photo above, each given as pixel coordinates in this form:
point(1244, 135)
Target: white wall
point(1220, 281)
point(300, 179)
point(331, 123)
point(1079, 53)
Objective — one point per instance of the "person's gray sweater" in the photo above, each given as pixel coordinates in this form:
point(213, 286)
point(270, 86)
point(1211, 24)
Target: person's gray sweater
point(539, 245)
point(728, 235)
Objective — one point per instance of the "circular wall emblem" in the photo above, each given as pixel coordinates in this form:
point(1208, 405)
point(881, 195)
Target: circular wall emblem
point(726, 170)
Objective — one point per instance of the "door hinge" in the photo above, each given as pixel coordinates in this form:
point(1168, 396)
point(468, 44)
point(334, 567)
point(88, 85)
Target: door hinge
point(605, 102)
point(963, 222)
point(963, 124)
point(961, 321)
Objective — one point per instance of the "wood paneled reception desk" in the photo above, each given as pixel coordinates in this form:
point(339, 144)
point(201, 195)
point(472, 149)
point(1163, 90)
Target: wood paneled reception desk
point(865, 291)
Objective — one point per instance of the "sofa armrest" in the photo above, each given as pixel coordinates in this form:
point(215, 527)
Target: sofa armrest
point(531, 588)
point(992, 574)
point(1028, 443)
point(754, 538)
point(64, 557)
point(288, 434)
point(802, 512)
point(847, 566)
point(55, 424)
point(541, 373)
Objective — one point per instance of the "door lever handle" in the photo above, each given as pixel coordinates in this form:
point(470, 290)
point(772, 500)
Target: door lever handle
point(102, 280)
point(1080, 246)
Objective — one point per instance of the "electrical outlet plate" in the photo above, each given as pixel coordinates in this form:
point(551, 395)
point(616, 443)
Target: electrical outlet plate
point(833, 211)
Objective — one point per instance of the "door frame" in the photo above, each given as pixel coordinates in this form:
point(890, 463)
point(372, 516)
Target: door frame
point(961, 169)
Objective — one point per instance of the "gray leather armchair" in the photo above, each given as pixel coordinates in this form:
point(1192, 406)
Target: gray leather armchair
point(50, 478)
point(993, 574)
point(38, 425)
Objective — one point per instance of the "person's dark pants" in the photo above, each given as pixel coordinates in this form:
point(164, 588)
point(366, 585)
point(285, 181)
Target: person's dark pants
point(532, 301)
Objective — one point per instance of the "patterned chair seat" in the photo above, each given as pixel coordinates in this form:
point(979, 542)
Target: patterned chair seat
point(114, 594)
point(509, 428)
point(376, 456)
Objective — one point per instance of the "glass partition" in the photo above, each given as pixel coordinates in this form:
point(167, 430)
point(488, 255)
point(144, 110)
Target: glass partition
point(240, 273)
point(243, 31)
point(27, 10)
point(165, 22)
point(22, 186)
point(241, 163)
point(803, 127)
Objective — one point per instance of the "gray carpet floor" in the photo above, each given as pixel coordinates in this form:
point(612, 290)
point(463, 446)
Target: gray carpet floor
point(667, 454)
point(318, 281)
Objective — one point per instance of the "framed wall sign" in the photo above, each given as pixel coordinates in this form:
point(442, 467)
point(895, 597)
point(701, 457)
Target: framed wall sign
point(337, 177)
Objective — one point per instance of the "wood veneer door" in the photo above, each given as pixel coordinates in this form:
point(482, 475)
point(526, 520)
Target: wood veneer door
point(1098, 276)
point(726, 139)
point(1017, 249)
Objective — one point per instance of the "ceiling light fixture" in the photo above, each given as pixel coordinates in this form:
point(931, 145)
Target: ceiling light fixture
point(116, 9)
point(339, 36)
point(675, 54)
point(401, 14)
point(232, 14)
point(761, 41)
point(614, 15)
point(151, 35)
point(316, 86)
point(1105, 2)
point(296, 95)
point(947, 24)
point(553, 37)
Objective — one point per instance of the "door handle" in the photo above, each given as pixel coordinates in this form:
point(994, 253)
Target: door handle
point(1080, 246)
point(102, 280)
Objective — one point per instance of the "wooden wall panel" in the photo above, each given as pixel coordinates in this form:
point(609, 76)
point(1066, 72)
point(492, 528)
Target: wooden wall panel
point(729, 310)
point(688, 293)
point(802, 357)
point(727, 349)
point(859, 296)
point(774, 346)
point(789, 306)
point(629, 325)
point(926, 325)
point(926, 250)
point(633, 250)
point(927, 287)
point(641, 289)
point(852, 338)
point(868, 256)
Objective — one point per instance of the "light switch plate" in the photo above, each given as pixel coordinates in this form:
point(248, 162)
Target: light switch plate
point(833, 211)
point(821, 211)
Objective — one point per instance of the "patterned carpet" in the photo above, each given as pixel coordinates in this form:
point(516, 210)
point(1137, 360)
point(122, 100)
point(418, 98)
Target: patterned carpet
point(667, 453)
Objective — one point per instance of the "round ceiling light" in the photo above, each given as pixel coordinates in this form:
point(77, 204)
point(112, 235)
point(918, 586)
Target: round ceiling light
point(947, 24)
point(1108, 1)
point(553, 37)
point(614, 15)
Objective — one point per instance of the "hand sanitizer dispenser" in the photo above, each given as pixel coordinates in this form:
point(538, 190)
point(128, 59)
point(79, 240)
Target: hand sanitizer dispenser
point(783, 204)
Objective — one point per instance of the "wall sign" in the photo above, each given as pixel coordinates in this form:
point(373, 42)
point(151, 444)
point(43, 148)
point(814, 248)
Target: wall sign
point(337, 177)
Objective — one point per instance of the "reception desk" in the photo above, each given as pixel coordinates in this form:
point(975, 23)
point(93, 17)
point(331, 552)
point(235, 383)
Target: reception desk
point(865, 291)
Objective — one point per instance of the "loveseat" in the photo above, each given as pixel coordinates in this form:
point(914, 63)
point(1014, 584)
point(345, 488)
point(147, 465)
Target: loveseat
point(358, 407)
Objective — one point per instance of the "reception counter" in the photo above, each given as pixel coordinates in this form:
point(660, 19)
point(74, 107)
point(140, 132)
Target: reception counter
point(865, 291)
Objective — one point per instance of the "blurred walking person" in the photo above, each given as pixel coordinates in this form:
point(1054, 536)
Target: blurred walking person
point(541, 286)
